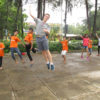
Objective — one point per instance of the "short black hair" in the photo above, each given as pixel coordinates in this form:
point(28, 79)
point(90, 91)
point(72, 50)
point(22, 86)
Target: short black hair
point(31, 29)
point(85, 35)
point(15, 30)
point(64, 36)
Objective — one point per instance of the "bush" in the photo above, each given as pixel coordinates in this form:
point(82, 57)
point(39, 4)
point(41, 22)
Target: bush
point(95, 42)
point(54, 46)
point(7, 46)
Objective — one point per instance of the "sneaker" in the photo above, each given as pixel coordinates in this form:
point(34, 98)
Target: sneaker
point(31, 65)
point(23, 61)
point(82, 57)
point(52, 67)
point(48, 65)
point(87, 58)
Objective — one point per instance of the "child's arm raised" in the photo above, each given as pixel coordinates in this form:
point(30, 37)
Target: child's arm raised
point(22, 44)
point(59, 38)
point(97, 36)
point(69, 39)
point(9, 36)
point(31, 44)
point(81, 36)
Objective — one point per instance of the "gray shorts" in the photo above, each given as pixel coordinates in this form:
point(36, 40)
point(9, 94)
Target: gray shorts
point(42, 44)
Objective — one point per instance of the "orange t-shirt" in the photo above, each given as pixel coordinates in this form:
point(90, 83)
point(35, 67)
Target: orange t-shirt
point(64, 45)
point(14, 42)
point(47, 37)
point(29, 37)
point(2, 49)
point(90, 44)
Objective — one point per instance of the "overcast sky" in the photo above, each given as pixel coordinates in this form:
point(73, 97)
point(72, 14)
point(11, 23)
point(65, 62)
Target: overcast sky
point(57, 15)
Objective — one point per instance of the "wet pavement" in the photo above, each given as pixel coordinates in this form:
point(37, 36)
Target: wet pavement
point(79, 79)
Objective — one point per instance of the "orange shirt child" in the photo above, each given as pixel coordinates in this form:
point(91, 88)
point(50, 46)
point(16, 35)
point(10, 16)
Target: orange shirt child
point(14, 42)
point(2, 49)
point(29, 37)
point(64, 45)
point(90, 43)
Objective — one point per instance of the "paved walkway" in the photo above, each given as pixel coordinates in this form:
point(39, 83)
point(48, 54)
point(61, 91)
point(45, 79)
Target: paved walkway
point(77, 80)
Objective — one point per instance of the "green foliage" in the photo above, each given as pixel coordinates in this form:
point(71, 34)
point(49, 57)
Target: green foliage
point(95, 42)
point(78, 29)
point(55, 46)
point(7, 46)
point(95, 47)
point(8, 13)
point(54, 31)
point(91, 19)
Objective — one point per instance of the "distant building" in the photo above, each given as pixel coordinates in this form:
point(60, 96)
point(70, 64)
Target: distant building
point(72, 35)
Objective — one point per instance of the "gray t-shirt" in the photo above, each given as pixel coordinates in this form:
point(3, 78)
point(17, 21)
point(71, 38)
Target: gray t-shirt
point(40, 25)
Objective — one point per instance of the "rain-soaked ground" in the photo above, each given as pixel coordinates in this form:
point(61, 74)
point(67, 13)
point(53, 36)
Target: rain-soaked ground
point(79, 79)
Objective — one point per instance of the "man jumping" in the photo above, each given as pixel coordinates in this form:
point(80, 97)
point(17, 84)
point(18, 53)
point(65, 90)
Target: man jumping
point(42, 28)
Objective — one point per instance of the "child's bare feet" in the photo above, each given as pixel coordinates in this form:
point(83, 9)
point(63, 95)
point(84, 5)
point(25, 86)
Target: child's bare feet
point(31, 63)
point(23, 61)
point(98, 55)
point(82, 56)
point(16, 62)
point(1, 68)
point(64, 62)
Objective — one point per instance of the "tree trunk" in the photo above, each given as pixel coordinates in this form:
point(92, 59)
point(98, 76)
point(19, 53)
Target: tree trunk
point(6, 27)
point(17, 15)
point(1, 34)
point(95, 17)
point(44, 4)
point(22, 19)
point(87, 14)
point(1, 27)
point(39, 15)
point(66, 7)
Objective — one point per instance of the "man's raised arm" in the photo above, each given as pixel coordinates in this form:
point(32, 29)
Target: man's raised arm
point(31, 13)
point(32, 16)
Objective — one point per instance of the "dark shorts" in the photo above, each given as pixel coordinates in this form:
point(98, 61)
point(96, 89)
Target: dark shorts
point(85, 47)
point(42, 44)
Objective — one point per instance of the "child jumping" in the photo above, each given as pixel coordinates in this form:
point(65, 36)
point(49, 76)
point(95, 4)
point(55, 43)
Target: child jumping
point(90, 47)
point(1, 54)
point(29, 44)
point(85, 45)
point(14, 46)
point(64, 43)
point(98, 44)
